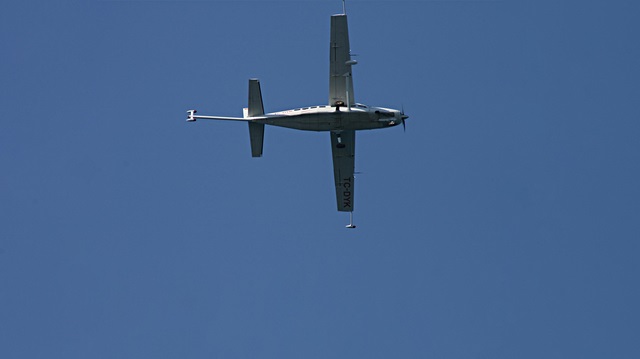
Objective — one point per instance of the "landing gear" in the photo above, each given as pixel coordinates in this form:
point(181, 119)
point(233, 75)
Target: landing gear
point(351, 225)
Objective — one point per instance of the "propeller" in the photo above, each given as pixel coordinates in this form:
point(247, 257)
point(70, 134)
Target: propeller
point(403, 117)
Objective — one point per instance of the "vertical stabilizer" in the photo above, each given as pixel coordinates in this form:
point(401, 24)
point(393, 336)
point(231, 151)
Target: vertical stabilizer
point(256, 130)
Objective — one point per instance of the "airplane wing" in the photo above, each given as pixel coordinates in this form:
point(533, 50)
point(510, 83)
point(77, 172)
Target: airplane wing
point(340, 80)
point(343, 168)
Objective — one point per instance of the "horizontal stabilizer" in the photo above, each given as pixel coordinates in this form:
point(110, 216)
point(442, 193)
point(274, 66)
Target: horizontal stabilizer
point(255, 109)
point(256, 136)
point(255, 99)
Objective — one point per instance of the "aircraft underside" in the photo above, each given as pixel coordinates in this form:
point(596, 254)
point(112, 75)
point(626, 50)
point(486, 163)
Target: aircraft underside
point(330, 121)
point(342, 116)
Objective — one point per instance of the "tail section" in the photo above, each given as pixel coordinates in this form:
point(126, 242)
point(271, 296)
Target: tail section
point(255, 99)
point(256, 136)
point(256, 130)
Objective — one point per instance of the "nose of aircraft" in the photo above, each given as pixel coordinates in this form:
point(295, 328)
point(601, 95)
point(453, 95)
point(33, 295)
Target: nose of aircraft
point(401, 116)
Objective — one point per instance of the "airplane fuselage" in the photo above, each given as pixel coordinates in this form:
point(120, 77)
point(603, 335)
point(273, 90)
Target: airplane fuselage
point(330, 118)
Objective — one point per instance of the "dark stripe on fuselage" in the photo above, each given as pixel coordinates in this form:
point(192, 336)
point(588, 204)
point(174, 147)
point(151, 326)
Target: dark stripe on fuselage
point(326, 121)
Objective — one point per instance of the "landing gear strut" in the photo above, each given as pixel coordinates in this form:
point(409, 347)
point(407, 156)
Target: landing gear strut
point(351, 225)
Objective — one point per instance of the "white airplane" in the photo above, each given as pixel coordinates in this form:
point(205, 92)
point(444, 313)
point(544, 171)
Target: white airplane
point(342, 117)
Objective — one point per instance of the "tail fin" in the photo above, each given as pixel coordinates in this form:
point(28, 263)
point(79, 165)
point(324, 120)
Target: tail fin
point(256, 130)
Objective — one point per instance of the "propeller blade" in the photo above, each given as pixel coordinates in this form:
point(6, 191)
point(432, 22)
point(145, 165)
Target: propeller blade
point(403, 117)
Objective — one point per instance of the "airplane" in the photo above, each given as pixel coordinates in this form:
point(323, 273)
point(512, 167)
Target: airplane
point(341, 117)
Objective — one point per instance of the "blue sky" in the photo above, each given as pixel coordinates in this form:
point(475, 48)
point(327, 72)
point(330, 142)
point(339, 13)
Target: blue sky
point(504, 223)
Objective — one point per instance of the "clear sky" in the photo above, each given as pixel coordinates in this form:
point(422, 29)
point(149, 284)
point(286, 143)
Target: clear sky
point(503, 224)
